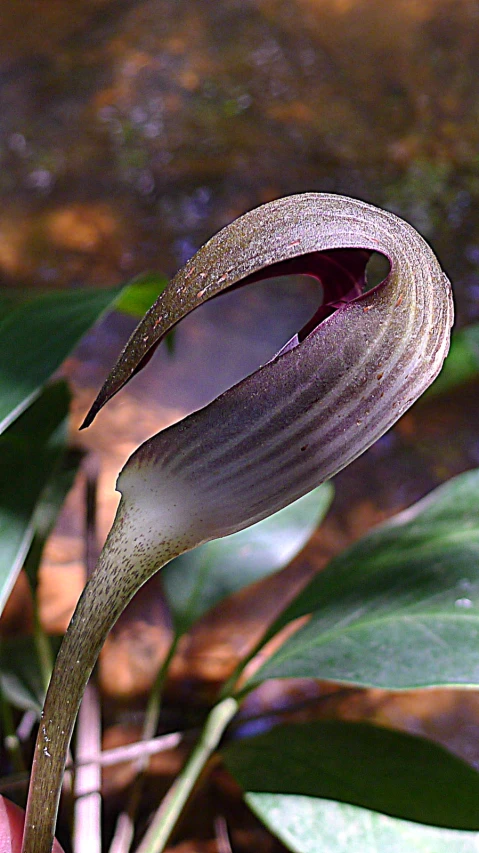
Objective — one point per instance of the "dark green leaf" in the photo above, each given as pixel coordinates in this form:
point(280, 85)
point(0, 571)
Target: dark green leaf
point(37, 337)
point(312, 825)
point(20, 675)
point(29, 451)
point(139, 296)
point(462, 363)
point(48, 507)
point(400, 609)
point(197, 580)
point(377, 768)
point(9, 300)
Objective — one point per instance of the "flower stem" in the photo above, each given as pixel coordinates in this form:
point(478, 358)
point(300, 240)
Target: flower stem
point(125, 825)
point(124, 565)
point(172, 806)
point(153, 707)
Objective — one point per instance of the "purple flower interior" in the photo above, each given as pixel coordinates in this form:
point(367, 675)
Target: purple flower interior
point(342, 273)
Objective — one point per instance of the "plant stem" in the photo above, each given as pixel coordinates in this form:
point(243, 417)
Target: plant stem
point(124, 830)
point(172, 806)
point(153, 707)
point(122, 568)
point(229, 686)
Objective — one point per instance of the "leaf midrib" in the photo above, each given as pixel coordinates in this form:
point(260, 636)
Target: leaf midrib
point(333, 634)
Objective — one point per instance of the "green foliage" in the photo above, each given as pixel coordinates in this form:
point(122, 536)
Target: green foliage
point(30, 449)
point(49, 505)
point(34, 340)
point(199, 579)
point(361, 764)
point(35, 337)
point(36, 471)
point(312, 825)
point(140, 294)
point(399, 608)
point(396, 610)
point(21, 680)
point(462, 363)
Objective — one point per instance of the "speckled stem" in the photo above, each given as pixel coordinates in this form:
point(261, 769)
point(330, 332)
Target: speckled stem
point(122, 568)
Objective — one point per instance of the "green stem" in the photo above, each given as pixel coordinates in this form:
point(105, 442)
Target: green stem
point(229, 686)
point(153, 707)
point(123, 836)
point(172, 806)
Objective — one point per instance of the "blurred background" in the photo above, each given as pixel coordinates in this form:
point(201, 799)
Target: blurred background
point(132, 130)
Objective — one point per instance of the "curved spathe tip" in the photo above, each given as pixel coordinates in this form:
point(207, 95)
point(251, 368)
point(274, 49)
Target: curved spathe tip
point(327, 396)
point(278, 233)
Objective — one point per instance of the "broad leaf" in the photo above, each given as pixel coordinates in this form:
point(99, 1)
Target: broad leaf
point(312, 825)
point(35, 338)
point(20, 676)
point(9, 300)
point(29, 451)
point(377, 768)
point(137, 297)
point(462, 363)
point(197, 580)
point(48, 508)
point(400, 609)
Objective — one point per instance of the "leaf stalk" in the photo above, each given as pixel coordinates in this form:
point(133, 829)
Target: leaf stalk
point(172, 806)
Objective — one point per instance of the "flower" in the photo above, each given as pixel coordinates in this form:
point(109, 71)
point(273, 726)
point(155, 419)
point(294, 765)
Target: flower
point(332, 391)
point(335, 388)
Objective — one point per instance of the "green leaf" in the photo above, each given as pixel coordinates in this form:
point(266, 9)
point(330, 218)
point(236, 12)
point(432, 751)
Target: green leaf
point(400, 609)
point(48, 508)
point(462, 363)
point(368, 766)
point(199, 579)
point(312, 825)
point(9, 300)
point(140, 295)
point(29, 451)
point(37, 337)
point(20, 676)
